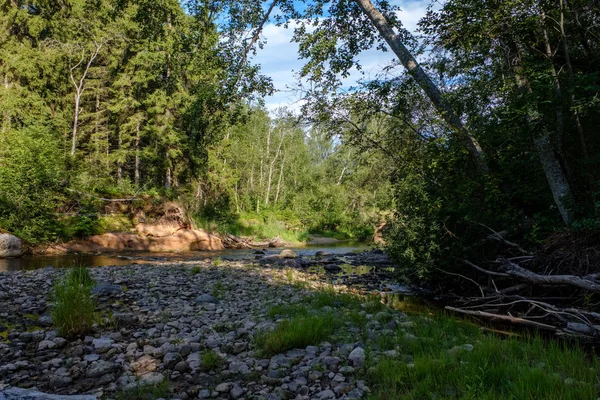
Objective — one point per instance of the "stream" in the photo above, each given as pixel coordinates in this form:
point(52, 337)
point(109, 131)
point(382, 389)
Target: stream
point(125, 258)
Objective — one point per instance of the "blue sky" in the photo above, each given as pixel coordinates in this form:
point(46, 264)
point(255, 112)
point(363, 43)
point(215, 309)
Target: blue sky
point(279, 58)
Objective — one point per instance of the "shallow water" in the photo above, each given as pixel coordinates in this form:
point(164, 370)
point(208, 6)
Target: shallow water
point(124, 258)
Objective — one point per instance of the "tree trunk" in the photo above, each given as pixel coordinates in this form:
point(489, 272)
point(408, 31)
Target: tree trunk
point(75, 121)
point(555, 177)
point(137, 155)
point(280, 178)
point(557, 181)
point(425, 82)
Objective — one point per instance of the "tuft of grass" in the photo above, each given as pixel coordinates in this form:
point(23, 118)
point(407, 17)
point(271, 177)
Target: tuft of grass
point(195, 270)
point(73, 311)
point(497, 367)
point(210, 360)
point(217, 261)
point(144, 392)
point(218, 290)
point(297, 332)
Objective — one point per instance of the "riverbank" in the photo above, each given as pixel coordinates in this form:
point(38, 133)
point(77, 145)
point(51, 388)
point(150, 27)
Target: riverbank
point(264, 330)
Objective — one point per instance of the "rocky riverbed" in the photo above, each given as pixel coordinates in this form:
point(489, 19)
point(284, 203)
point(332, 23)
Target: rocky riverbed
point(192, 328)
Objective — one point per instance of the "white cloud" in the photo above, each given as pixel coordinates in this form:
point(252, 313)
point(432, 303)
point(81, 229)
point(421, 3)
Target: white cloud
point(279, 57)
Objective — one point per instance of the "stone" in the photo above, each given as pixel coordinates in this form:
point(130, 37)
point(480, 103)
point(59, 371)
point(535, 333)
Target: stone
point(102, 345)
point(332, 268)
point(462, 347)
point(321, 253)
point(60, 342)
point(206, 298)
point(100, 368)
point(152, 378)
point(204, 394)
point(171, 359)
point(357, 357)
point(326, 394)
point(28, 394)
point(10, 245)
point(224, 387)
point(106, 288)
point(287, 254)
point(182, 367)
point(46, 344)
point(236, 392)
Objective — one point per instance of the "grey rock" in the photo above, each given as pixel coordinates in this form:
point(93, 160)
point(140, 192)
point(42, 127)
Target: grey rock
point(357, 357)
point(326, 394)
point(28, 394)
point(10, 245)
point(287, 254)
point(102, 345)
point(224, 387)
point(236, 392)
point(46, 344)
point(204, 394)
point(182, 367)
point(100, 368)
point(206, 298)
point(152, 378)
point(462, 347)
point(106, 288)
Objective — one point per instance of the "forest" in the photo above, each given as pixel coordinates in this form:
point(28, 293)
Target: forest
point(157, 212)
point(484, 123)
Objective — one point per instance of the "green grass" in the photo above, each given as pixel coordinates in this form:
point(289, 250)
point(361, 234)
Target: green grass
point(497, 367)
point(217, 261)
point(144, 392)
point(210, 360)
point(297, 333)
point(260, 227)
point(195, 270)
point(73, 311)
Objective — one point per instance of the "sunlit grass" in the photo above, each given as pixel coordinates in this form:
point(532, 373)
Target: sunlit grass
point(497, 367)
point(73, 311)
point(297, 333)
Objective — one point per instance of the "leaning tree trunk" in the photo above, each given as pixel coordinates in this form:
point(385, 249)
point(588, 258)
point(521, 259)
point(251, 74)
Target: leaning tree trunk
point(424, 81)
point(555, 177)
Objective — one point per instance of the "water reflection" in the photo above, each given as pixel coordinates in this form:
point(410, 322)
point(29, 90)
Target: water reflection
point(124, 258)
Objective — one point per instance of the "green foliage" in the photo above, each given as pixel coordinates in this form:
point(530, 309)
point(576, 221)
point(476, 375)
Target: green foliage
point(74, 306)
point(297, 332)
point(497, 367)
point(210, 360)
point(30, 175)
point(145, 392)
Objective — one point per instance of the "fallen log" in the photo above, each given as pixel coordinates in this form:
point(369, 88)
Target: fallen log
point(505, 318)
point(582, 282)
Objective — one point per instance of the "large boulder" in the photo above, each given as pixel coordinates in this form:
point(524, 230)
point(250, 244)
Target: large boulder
point(10, 245)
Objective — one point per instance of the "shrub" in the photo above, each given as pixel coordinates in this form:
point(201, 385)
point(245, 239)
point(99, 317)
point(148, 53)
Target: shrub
point(73, 312)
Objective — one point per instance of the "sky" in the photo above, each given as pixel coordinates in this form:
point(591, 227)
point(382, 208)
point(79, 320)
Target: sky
point(279, 58)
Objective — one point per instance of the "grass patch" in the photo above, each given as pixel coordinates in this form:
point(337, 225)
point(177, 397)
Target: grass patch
point(195, 270)
point(297, 333)
point(497, 367)
point(144, 392)
point(217, 261)
point(73, 311)
point(210, 360)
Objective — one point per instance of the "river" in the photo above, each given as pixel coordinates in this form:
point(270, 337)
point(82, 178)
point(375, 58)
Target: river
point(125, 258)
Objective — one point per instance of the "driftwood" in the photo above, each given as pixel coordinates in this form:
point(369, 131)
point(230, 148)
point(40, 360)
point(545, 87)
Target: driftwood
point(240, 242)
point(504, 318)
point(517, 295)
point(584, 282)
